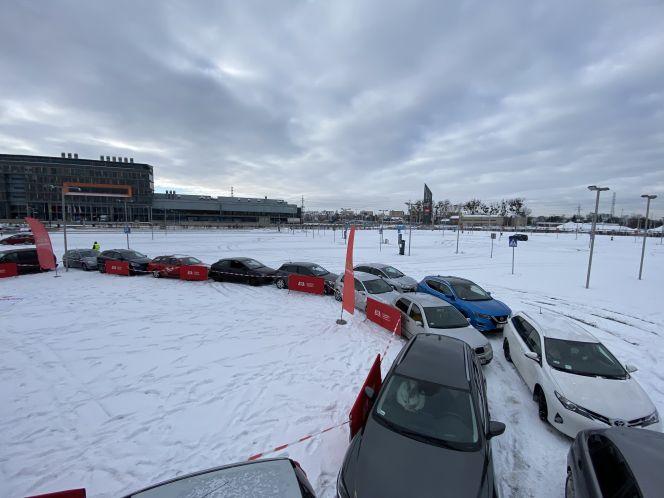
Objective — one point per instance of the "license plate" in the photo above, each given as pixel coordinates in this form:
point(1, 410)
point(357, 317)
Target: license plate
point(500, 325)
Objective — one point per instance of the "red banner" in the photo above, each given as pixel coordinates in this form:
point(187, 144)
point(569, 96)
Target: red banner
point(71, 493)
point(116, 267)
point(384, 315)
point(362, 406)
point(193, 272)
point(43, 243)
point(304, 283)
point(8, 270)
point(349, 278)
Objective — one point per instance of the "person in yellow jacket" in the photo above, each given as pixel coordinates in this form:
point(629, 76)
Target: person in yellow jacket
point(96, 246)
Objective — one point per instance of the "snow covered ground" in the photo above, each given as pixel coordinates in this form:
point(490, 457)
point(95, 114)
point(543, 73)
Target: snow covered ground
point(114, 383)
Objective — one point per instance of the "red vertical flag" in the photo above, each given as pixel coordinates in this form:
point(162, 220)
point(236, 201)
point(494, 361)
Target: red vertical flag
point(43, 243)
point(349, 277)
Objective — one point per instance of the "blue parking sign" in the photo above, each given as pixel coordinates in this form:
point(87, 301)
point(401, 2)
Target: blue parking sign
point(127, 229)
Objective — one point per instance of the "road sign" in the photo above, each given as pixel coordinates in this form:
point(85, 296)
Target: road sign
point(513, 241)
point(493, 235)
point(127, 229)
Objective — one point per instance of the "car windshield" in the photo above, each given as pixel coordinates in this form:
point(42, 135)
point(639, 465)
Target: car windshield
point(392, 272)
point(582, 358)
point(319, 271)
point(469, 291)
point(252, 263)
point(429, 412)
point(190, 261)
point(445, 317)
point(377, 286)
point(88, 253)
point(133, 254)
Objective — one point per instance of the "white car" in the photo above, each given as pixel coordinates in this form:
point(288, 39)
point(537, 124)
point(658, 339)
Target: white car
point(575, 380)
point(366, 285)
point(424, 313)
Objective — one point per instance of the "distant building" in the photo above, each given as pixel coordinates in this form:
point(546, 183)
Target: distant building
point(479, 220)
point(397, 214)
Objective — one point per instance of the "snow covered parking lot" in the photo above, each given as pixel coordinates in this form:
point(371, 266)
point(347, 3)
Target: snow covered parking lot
point(114, 383)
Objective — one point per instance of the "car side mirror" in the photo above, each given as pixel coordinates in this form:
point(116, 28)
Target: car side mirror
point(495, 429)
point(532, 355)
point(369, 393)
point(630, 368)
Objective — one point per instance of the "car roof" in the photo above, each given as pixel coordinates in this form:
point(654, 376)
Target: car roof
point(557, 326)
point(644, 452)
point(22, 249)
point(364, 277)
point(374, 265)
point(436, 358)
point(301, 263)
point(426, 300)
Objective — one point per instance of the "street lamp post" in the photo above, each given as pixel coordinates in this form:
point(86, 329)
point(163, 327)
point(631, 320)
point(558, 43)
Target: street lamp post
point(648, 198)
point(593, 188)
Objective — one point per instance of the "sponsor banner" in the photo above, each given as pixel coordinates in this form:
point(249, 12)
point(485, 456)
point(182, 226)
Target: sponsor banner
point(8, 270)
point(362, 406)
point(384, 315)
point(349, 277)
point(71, 493)
point(304, 283)
point(43, 243)
point(117, 267)
point(193, 272)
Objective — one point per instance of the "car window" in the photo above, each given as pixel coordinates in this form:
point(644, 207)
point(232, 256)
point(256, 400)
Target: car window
point(377, 286)
point(190, 261)
point(318, 271)
point(433, 284)
point(612, 472)
point(88, 253)
point(303, 270)
point(10, 257)
point(444, 288)
point(252, 264)
point(534, 342)
point(358, 286)
point(237, 265)
point(223, 264)
point(444, 317)
point(416, 313)
point(520, 327)
point(429, 412)
point(403, 304)
point(158, 259)
point(469, 291)
point(27, 257)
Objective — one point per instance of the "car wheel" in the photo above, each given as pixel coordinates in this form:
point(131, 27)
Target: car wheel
point(506, 350)
point(542, 408)
point(569, 485)
point(156, 274)
point(337, 295)
point(280, 283)
point(102, 269)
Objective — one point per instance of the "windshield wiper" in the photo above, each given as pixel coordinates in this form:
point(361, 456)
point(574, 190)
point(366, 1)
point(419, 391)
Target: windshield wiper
point(419, 437)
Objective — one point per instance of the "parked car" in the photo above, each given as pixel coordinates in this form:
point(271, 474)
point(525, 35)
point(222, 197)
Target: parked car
point(428, 432)
point(398, 281)
point(138, 262)
point(485, 313)
point(169, 266)
point(575, 380)
point(308, 269)
point(366, 285)
point(26, 259)
point(19, 238)
point(81, 258)
point(521, 237)
point(242, 270)
point(424, 313)
point(615, 462)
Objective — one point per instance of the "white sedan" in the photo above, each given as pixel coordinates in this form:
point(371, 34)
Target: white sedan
point(575, 380)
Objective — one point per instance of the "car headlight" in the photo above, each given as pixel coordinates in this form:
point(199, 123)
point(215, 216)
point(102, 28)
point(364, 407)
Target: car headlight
point(573, 407)
point(483, 316)
point(653, 418)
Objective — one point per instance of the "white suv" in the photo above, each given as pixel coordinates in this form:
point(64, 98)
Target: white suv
point(575, 380)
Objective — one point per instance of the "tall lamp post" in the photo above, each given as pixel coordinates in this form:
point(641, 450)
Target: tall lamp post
point(648, 198)
point(593, 188)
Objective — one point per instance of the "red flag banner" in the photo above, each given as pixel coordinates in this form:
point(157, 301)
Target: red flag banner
point(193, 272)
point(71, 493)
point(117, 267)
point(43, 243)
point(8, 270)
point(305, 283)
point(362, 406)
point(349, 277)
point(384, 315)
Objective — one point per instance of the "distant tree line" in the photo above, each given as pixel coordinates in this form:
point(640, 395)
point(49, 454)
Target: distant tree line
point(445, 208)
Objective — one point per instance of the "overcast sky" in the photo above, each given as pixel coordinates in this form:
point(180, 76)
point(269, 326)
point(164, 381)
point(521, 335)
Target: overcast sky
point(348, 103)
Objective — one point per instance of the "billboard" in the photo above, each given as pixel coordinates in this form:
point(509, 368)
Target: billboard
point(427, 206)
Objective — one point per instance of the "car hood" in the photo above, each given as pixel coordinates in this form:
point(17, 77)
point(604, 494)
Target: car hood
point(491, 307)
point(421, 469)
point(470, 335)
point(404, 281)
point(140, 261)
point(89, 259)
point(385, 297)
point(613, 398)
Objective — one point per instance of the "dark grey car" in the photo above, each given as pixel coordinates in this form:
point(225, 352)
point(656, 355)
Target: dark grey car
point(81, 258)
point(617, 461)
point(428, 432)
point(398, 280)
point(308, 269)
point(138, 262)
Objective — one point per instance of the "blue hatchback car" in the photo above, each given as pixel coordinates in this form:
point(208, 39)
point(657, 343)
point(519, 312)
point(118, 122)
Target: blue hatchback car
point(484, 312)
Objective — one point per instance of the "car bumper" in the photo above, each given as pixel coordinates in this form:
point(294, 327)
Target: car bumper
point(571, 423)
point(488, 325)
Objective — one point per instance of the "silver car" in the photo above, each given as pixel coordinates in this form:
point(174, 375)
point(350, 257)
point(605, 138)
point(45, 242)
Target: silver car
point(425, 313)
point(399, 281)
point(81, 258)
point(366, 285)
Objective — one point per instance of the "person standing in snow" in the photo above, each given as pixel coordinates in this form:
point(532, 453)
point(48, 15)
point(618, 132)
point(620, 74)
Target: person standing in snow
point(96, 246)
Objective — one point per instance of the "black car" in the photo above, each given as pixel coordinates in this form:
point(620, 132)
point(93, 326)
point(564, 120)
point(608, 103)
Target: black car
point(428, 431)
point(616, 462)
point(521, 237)
point(26, 259)
point(242, 270)
point(308, 269)
point(138, 263)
